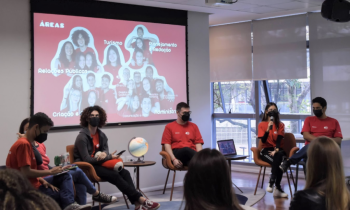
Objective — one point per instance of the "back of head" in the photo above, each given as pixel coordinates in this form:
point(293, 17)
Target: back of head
point(207, 184)
point(325, 173)
point(17, 193)
point(41, 119)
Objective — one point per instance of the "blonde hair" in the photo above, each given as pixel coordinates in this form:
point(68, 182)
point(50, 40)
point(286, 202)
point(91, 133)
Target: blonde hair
point(17, 193)
point(325, 173)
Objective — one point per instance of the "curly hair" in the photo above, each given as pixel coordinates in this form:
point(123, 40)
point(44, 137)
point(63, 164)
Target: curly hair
point(85, 115)
point(75, 37)
point(16, 192)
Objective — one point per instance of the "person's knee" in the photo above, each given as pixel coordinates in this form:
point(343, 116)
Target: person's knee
point(66, 176)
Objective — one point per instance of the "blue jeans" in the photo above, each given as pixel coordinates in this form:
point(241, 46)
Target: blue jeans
point(82, 185)
point(301, 154)
point(64, 182)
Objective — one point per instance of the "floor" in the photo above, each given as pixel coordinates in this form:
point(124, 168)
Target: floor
point(268, 202)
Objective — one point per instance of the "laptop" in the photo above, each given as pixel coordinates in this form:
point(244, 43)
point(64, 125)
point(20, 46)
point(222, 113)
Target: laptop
point(228, 149)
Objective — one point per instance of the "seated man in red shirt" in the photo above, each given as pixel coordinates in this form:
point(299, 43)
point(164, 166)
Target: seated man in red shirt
point(107, 97)
point(182, 138)
point(21, 157)
point(315, 126)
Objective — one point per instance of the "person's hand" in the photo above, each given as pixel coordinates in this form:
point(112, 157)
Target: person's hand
point(56, 170)
point(66, 167)
point(47, 185)
point(269, 125)
point(115, 156)
point(20, 135)
point(177, 163)
point(272, 153)
point(102, 156)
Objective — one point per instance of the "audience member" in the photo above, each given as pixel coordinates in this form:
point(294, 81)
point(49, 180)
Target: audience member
point(271, 133)
point(17, 193)
point(208, 184)
point(22, 158)
point(325, 182)
point(315, 126)
point(92, 140)
point(182, 138)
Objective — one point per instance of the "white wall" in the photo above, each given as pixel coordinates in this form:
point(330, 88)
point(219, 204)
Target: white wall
point(15, 88)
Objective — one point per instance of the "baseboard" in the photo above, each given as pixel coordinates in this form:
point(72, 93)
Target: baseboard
point(146, 189)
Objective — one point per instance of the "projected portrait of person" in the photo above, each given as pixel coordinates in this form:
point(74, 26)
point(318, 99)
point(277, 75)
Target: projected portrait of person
point(107, 95)
point(81, 40)
point(91, 81)
point(134, 106)
point(145, 40)
point(166, 99)
point(77, 84)
point(149, 74)
point(66, 57)
point(74, 102)
point(113, 62)
point(139, 60)
point(146, 106)
point(80, 61)
point(91, 63)
point(141, 47)
point(146, 85)
point(131, 88)
point(137, 79)
point(92, 98)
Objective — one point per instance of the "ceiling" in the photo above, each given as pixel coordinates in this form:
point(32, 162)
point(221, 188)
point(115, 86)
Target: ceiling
point(243, 10)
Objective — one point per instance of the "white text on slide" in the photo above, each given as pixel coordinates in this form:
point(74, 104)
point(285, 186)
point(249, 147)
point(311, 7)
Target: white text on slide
point(112, 42)
point(61, 71)
point(159, 47)
point(166, 111)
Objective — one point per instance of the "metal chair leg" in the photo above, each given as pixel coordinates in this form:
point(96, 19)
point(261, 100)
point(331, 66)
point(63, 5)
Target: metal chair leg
point(166, 181)
point(172, 187)
point(262, 183)
point(257, 182)
point(290, 188)
point(291, 175)
point(296, 178)
point(126, 201)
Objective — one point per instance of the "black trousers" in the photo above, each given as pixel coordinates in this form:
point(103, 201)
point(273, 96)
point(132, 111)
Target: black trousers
point(275, 161)
point(122, 180)
point(184, 155)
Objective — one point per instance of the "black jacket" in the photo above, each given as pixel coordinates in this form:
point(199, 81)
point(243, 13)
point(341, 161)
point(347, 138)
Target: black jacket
point(309, 200)
point(83, 147)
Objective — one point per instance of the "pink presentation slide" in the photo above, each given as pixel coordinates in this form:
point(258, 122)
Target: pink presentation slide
point(136, 71)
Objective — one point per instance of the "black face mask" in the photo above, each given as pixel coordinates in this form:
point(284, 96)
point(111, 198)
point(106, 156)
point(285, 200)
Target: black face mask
point(41, 137)
point(318, 112)
point(272, 113)
point(94, 121)
point(186, 116)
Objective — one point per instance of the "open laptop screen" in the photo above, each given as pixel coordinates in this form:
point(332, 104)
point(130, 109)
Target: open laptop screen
point(227, 147)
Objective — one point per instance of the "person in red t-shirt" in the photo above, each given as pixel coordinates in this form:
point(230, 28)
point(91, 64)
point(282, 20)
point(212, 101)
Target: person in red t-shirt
point(182, 138)
point(21, 157)
point(271, 133)
point(91, 63)
point(315, 126)
point(113, 63)
point(66, 58)
point(81, 40)
point(139, 60)
point(107, 97)
point(166, 99)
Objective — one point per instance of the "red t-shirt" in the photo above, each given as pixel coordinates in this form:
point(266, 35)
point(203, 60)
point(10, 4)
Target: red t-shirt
point(122, 90)
point(21, 154)
point(180, 136)
point(88, 49)
point(96, 142)
point(114, 71)
point(136, 66)
point(108, 101)
point(272, 138)
point(46, 160)
point(165, 104)
point(322, 127)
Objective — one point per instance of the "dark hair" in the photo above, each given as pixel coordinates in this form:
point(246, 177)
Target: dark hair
point(62, 57)
point(23, 123)
point(74, 81)
point(320, 100)
point(75, 36)
point(112, 47)
point(16, 192)
point(137, 72)
point(143, 92)
point(107, 76)
point(143, 45)
point(77, 59)
point(41, 119)
point(94, 61)
point(90, 74)
point(276, 118)
point(159, 80)
point(181, 105)
point(150, 68)
point(208, 171)
point(140, 28)
point(85, 115)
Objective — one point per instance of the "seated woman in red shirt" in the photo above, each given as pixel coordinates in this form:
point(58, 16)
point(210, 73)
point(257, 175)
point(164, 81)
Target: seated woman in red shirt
point(271, 133)
point(113, 63)
point(81, 182)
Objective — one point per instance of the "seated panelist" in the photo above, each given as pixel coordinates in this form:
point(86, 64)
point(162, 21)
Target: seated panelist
point(182, 138)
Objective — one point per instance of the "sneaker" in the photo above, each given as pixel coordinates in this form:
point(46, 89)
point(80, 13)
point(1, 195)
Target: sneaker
point(150, 204)
point(278, 192)
point(285, 165)
point(104, 198)
point(270, 188)
point(75, 206)
point(141, 208)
